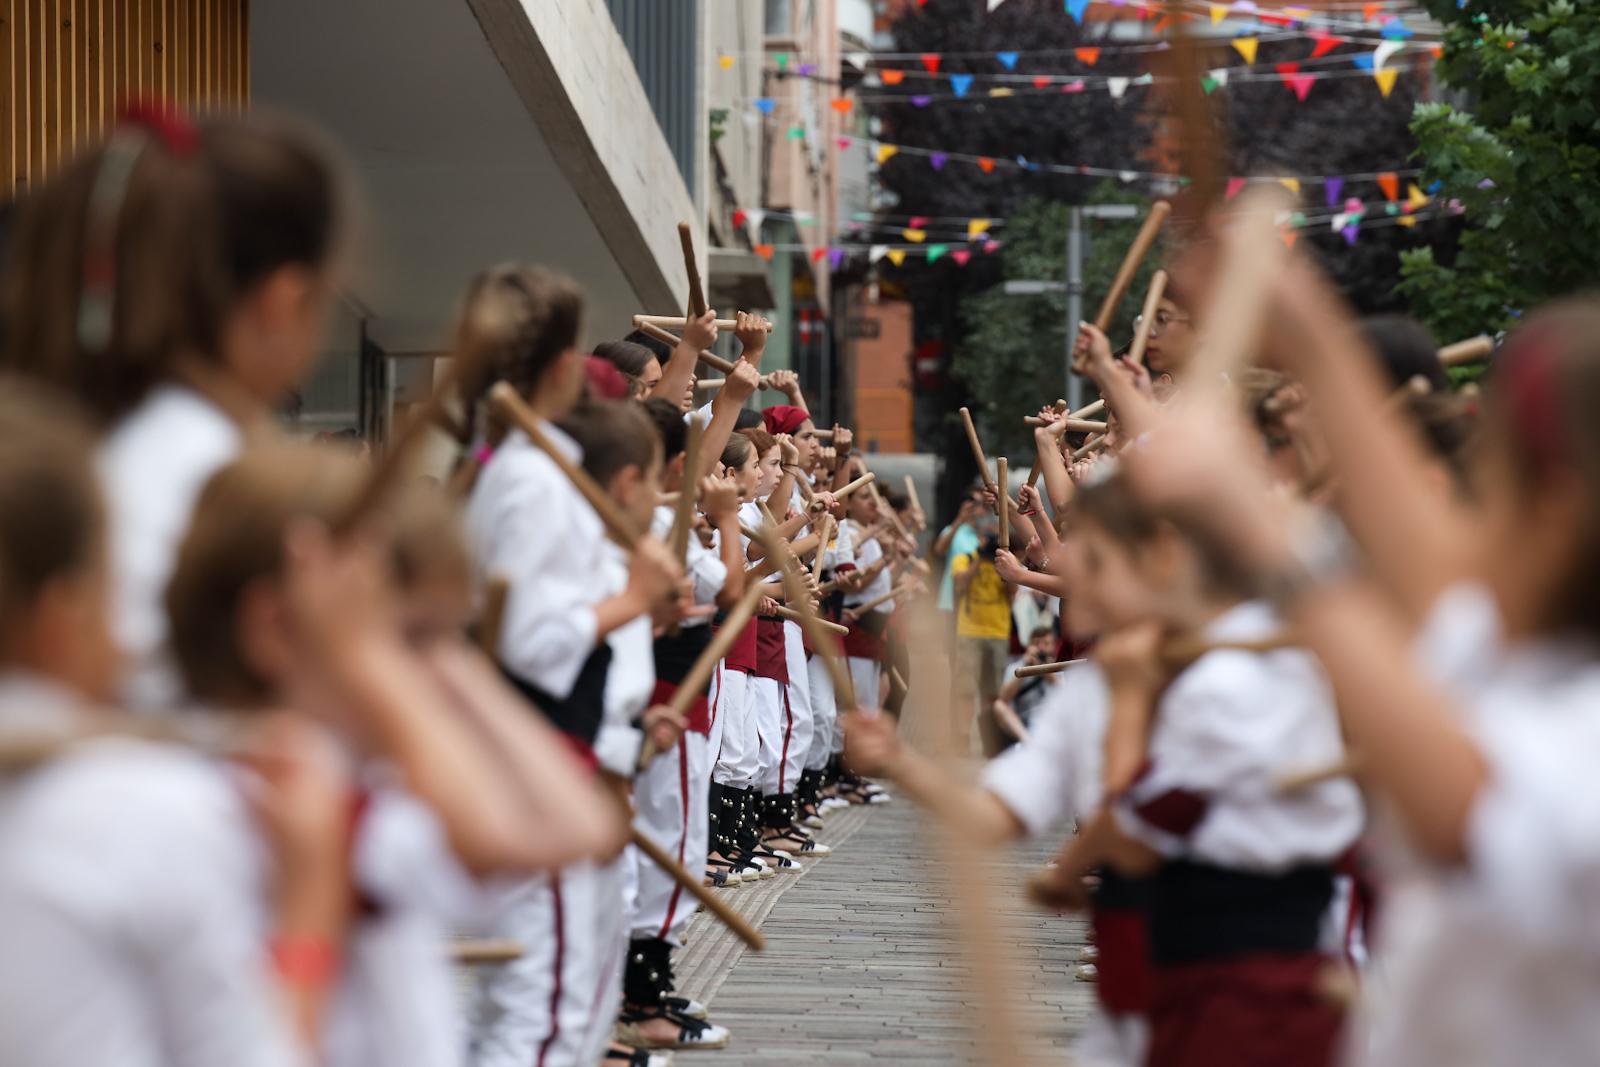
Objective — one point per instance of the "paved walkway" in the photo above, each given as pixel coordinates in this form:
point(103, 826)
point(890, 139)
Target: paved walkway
point(862, 961)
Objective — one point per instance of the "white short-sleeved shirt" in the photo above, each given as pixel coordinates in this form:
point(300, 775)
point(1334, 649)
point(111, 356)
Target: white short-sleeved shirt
point(1226, 731)
point(527, 524)
point(630, 677)
point(153, 465)
point(395, 1004)
point(1498, 961)
point(1056, 775)
point(869, 552)
point(132, 889)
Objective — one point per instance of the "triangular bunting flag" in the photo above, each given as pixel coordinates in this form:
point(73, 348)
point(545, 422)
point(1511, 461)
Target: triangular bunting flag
point(886, 152)
point(1209, 84)
point(1127, 177)
point(1332, 189)
point(1116, 87)
point(1437, 50)
point(1407, 220)
point(1301, 84)
point(919, 221)
point(1007, 59)
point(891, 77)
point(935, 251)
point(756, 216)
point(937, 160)
point(960, 83)
point(1326, 42)
point(930, 61)
point(1381, 54)
point(765, 104)
point(842, 142)
point(765, 251)
point(1162, 25)
point(739, 216)
point(876, 252)
point(1385, 79)
point(1363, 60)
point(921, 101)
point(915, 236)
point(835, 257)
point(781, 58)
point(796, 133)
point(1002, 92)
point(1286, 69)
point(1290, 236)
point(897, 256)
point(991, 247)
point(1073, 87)
point(1369, 11)
point(1350, 233)
point(977, 228)
point(1415, 197)
point(1235, 185)
point(725, 62)
point(1218, 13)
point(1076, 8)
point(1042, 81)
point(1246, 46)
point(818, 255)
point(1145, 79)
point(841, 104)
point(1389, 182)
point(961, 255)
point(1220, 75)
point(1291, 184)
point(986, 164)
point(1089, 56)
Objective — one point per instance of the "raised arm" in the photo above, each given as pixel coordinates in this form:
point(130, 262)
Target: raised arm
point(679, 371)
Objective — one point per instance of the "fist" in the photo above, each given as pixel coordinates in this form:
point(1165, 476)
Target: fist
point(742, 381)
point(751, 330)
point(701, 332)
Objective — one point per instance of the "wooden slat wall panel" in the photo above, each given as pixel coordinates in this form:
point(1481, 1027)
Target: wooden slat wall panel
point(67, 67)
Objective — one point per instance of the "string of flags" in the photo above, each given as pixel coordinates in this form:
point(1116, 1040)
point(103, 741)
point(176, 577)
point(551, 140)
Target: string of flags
point(1346, 217)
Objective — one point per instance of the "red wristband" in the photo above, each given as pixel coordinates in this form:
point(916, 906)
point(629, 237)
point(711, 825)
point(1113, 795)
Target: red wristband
point(305, 961)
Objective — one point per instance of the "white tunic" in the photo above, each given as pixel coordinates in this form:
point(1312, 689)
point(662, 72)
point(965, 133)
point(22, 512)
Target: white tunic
point(869, 552)
point(630, 677)
point(528, 525)
point(153, 464)
point(1498, 962)
point(1226, 731)
point(703, 565)
point(1056, 774)
point(131, 889)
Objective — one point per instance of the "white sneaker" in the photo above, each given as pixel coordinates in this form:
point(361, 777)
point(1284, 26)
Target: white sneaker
point(1089, 954)
point(813, 821)
point(1088, 973)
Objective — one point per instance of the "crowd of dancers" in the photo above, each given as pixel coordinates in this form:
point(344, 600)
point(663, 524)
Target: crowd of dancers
point(1311, 698)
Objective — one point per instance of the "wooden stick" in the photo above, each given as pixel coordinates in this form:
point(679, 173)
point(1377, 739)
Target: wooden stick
point(495, 594)
point(697, 296)
point(911, 493)
point(510, 407)
point(1090, 445)
point(825, 527)
point(795, 616)
point(1047, 668)
point(824, 435)
point(710, 383)
point(678, 322)
point(484, 952)
point(1068, 424)
point(977, 449)
point(1180, 651)
point(822, 643)
point(683, 518)
point(732, 626)
point(1002, 501)
point(715, 905)
point(851, 486)
point(858, 610)
point(1147, 317)
point(710, 359)
point(1130, 262)
point(1472, 350)
point(1348, 767)
point(1416, 385)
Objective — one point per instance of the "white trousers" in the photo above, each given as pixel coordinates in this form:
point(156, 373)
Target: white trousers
point(670, 799)
point(774, 726)
point(827, 738)
point(865, 674)
point(557, 1005)
point(738, 751)
point(802, 718)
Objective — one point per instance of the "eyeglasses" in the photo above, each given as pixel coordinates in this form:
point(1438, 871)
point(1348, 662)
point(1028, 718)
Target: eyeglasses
point(1163, 321)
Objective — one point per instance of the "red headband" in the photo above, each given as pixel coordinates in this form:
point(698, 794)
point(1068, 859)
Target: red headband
point(784, 418)
point(605, 380)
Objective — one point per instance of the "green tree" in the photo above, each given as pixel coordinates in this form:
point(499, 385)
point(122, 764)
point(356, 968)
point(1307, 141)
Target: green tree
point(1524, 162)
point(1013, 357)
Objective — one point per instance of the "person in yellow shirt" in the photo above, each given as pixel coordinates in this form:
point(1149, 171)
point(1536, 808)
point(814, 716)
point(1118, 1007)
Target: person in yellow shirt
point(983, 632)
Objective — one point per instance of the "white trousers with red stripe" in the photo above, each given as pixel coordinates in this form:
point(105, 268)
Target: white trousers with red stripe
point(738, 749)
point(669, 800)
point(557, 1005)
